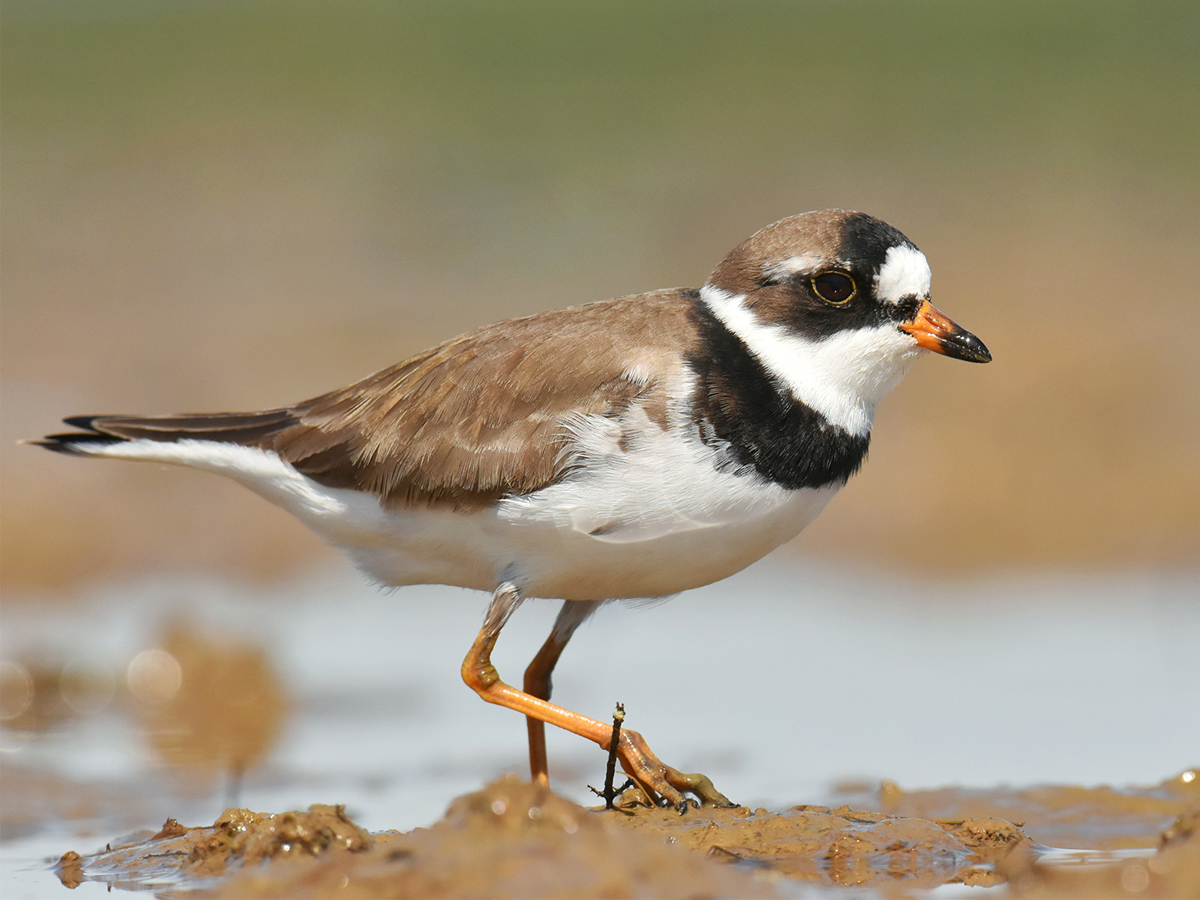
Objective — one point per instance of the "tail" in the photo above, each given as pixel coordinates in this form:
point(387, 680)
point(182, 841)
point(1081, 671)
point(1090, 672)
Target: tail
point(241, 446)
point(123, 435)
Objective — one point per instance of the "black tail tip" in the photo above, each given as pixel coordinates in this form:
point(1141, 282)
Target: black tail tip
point(84, 422)
point(76, 443)
point(56, 443)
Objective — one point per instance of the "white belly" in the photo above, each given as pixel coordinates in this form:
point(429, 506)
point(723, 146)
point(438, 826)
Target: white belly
point(639, 518)
point(481, 550)
point(641, 521)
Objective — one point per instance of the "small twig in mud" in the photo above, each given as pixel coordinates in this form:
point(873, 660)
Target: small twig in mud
point(613, 744)
point(609, 794)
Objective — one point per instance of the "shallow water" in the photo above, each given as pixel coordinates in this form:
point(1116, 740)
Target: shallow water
point(787, 684)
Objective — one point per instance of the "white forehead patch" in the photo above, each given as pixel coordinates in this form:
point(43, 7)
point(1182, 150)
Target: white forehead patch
point(904, 273)
point(792, 265)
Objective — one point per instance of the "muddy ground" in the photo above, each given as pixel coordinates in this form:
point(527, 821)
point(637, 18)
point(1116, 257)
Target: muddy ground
point(512, 839)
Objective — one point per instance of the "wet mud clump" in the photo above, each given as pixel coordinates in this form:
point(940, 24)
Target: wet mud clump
point(841, 846)
point(512, 839)
point(192, 856)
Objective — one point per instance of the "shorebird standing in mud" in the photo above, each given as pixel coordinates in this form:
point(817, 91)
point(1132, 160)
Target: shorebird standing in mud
point(635, 447)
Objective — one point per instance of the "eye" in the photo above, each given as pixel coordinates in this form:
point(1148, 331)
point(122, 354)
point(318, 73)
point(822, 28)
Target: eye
point(835, 288)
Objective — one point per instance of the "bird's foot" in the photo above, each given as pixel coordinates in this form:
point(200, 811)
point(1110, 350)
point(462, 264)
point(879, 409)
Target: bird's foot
point(662, 784)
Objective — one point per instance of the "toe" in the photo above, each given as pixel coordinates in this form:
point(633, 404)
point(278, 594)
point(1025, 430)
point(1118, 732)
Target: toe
point(700, 786)
point(662, 782)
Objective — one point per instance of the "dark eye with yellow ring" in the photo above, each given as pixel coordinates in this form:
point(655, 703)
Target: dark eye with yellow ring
point(835, 288)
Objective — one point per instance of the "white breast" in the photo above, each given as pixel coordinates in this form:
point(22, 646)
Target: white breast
point(655, 517)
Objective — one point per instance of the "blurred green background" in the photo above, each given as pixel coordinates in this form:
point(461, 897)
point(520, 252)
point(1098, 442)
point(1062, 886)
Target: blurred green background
point(235, 205)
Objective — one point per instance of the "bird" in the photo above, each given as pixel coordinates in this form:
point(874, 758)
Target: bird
point(629, 448)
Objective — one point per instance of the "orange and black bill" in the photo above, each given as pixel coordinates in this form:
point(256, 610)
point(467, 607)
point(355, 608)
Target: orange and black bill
point(937, 332)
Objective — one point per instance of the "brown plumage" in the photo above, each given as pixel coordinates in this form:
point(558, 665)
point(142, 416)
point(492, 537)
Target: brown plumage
point(471, 420)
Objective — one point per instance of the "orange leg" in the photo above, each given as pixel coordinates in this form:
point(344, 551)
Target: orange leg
point(655, 778)
point(537, 678)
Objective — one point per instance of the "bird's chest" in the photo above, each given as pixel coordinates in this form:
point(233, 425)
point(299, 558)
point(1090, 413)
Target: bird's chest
point(659, 517)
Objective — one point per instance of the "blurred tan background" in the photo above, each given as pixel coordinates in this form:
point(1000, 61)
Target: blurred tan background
point(222, 206)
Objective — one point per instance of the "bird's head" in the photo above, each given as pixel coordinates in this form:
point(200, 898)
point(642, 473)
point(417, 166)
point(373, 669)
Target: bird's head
point(836, 305)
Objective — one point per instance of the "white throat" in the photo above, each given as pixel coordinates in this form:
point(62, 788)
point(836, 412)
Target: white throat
point(843, 377)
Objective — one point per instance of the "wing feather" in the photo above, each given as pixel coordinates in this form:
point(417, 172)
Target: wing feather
point(486, 415)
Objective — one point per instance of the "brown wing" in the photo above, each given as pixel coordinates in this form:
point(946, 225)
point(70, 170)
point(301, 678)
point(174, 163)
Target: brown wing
point(484, 415)
point(474, 419)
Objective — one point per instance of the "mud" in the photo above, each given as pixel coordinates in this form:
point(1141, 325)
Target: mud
point(1172, 871)
point(1101, 818)
point(841, 846)
point(513, 839)
point(193, 857)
